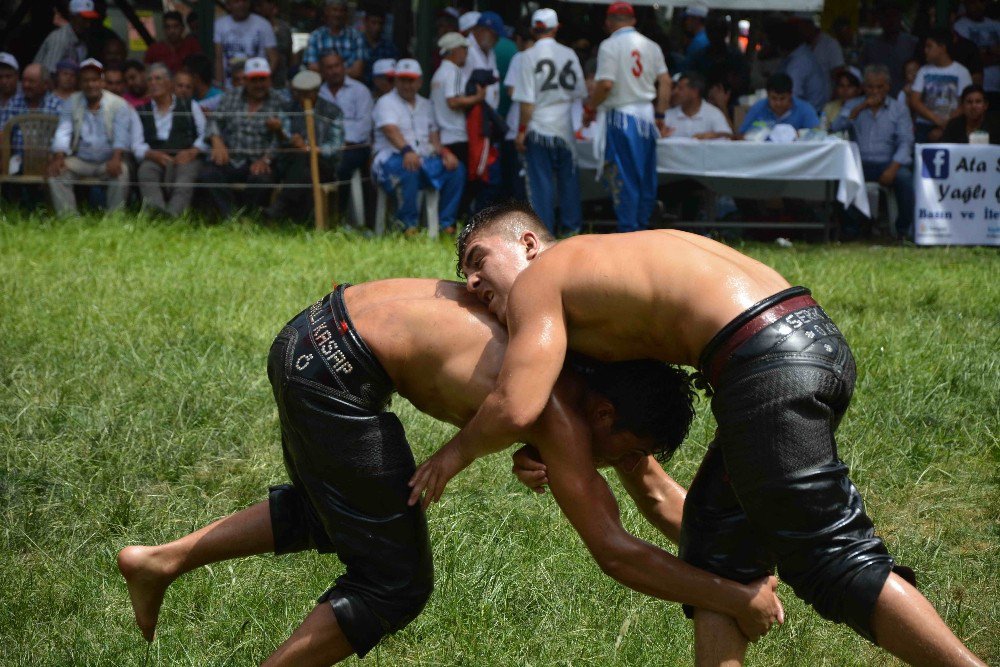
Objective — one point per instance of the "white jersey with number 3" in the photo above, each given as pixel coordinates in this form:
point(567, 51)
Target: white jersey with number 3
point(632, 62)
point(550, 77)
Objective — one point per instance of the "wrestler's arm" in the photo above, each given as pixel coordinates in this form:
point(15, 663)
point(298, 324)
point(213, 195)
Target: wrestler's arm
point(602, 89)
point(587, 502)
point(656, 494)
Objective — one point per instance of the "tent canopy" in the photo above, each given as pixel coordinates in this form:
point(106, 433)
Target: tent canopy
point(735, 5)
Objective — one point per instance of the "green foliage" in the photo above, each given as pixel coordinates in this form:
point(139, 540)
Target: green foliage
point(135, 408)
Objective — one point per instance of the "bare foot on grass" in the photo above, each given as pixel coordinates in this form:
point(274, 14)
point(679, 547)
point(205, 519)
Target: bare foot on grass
point(147, 582)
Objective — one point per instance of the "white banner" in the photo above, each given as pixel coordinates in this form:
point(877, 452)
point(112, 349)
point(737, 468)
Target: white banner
point(957, 194)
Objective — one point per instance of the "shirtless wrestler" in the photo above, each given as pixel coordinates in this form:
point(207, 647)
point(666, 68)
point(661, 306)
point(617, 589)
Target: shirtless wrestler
point(771, 489)
point(333, 369)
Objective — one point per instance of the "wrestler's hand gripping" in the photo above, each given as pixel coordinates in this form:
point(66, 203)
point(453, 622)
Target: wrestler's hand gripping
point(435, 473)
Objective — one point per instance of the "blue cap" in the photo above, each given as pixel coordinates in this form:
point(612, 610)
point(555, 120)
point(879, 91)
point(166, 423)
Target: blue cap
point(492, 21)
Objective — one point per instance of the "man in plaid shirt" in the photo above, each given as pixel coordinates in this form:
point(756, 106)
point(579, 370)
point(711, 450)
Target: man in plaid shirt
point(243, 133)
point(34, 97)
point(337, 36)
point(377, 47)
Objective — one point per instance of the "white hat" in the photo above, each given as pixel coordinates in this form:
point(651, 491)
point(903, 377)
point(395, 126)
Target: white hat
point(84, 8)
point(307, 80)
point(699, 10)
point(8, 60)
point(451, 40)
point(545, 18)
point(92, 63)
point(467, 21)
point(256, 67)
point(408, 68)
point(384, 67)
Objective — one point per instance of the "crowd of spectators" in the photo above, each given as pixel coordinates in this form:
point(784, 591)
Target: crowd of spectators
point(505, 104)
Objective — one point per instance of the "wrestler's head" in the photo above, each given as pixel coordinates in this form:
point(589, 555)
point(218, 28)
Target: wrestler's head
point(636, 408)
point(495, 246)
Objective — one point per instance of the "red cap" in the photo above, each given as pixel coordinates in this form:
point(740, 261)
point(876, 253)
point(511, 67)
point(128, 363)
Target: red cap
point(621, 8)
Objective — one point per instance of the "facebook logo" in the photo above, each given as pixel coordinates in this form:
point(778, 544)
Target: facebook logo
point(935, 162)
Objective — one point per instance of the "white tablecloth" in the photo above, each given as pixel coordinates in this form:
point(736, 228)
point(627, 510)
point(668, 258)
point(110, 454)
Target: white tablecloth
point(761, 170)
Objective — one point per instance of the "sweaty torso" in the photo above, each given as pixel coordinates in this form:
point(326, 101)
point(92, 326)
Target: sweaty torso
point(659, 294)
point(440, 346)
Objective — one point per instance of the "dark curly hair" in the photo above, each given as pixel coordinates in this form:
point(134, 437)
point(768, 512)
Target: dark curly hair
point(513, 215)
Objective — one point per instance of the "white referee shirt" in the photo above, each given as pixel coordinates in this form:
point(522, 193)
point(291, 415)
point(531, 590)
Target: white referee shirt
point(707, 119)
point(550, 77)
point(447, 83)
point(415, 121)
point(632, 62)
point(355, 101)
point(479, 60)
point(513, 118)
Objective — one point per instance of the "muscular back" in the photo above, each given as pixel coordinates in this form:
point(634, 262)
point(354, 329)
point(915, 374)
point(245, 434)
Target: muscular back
point(440, 346)
point(657, 294)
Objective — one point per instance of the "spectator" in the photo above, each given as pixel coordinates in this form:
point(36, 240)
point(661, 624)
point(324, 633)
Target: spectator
point(8, 87)
point(184, 85)
point(90, 141)
point(175, 47)
point(292, 164)
point(377, 47)
point(200, 69)
point(242, 132)
point(66, 79)
point(848, 86)
point(720, 96)
point(781, 106)
point(114, 53)
point(448, 97)
point(173, 131)
point(337, 36)
point(241, 34)
point(809, 81)
point(382, 75)
point(693, 117)
point(910, 70)
point(270, 11)
point(826, 49)
point(467, 21)
point(136, 86)
point(975, 117)
point(237, 73)
point(985, 34)
point(114, 81)
point(505, 49)
point(720, 60)
point(937, 88)
point(485, 34)
point(693, 25)
point(35, 94)
point(893, 47)
point(355, 103)
point(545, 130)
point(192, 23)
point(962, 50)
point(409, 154)
point(446, 21)
point(882, 128)
point(67, 43)
point(304, 16)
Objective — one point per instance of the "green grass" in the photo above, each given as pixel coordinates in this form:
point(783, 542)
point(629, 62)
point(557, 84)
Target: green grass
point(134, 407)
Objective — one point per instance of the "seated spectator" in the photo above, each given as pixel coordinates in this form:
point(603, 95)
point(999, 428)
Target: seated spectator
point(781, 106)
point(882, 128)
point(292, 164)
point(136, 86)
point(8, 87)
point(66, 79)
point(693, 117)
point(35, 94)
point(173, 130)
point(67, 42)
point(848, 86)
point(175, 47)
point(937, 88)
point(241, 34)
point(409, 154)
point(337, 36)
point(355, 102)
point(90, 141)
point(910, 69)
point(720, 95)
point(975, 117)
point(448, 98)
point(237, 67)
point(382, 77)
point(243, 134)
point(114, 53)
point(799, 62)
point(693, 26)
point(377, 46)
point(114, 82)
point(184, 85)
point(205, 93)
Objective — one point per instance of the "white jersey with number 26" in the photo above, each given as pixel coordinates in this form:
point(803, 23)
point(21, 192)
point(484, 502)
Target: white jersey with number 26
point(550, 77)
point(632, 62)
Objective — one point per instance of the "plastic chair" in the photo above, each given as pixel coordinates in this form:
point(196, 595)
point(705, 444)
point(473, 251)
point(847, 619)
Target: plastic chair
point(878, 194)
point(430, 197)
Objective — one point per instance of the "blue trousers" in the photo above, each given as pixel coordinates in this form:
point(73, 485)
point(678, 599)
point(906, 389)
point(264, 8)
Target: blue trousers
point(431, 174)
point(630, 170)
point(551, 169)
point(902, 187)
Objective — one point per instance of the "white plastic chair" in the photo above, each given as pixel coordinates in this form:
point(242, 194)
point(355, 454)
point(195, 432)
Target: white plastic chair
point(427, 201)
point(878, 193)
point(357, 199)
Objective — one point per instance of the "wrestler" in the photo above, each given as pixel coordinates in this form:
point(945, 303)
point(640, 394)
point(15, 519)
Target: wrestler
point(771, 489)
point(333, 369)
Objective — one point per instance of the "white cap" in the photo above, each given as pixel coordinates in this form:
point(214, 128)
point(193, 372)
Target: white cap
point(467, 21)
point(92, 63)
point(306, 80)
point(84, 8)
point(699, 10)
point(384, 67)
point(256, 67)
point(408, 68)
point(8, 60)
point(545, 18)
point(451, 40)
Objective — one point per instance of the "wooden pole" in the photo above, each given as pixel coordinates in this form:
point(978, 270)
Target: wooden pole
point(314, 164)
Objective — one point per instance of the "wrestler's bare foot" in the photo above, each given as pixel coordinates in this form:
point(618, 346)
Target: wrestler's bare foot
point(147, 580)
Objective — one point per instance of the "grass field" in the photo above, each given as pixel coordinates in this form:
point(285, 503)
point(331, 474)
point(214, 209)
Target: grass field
point(134, 407)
